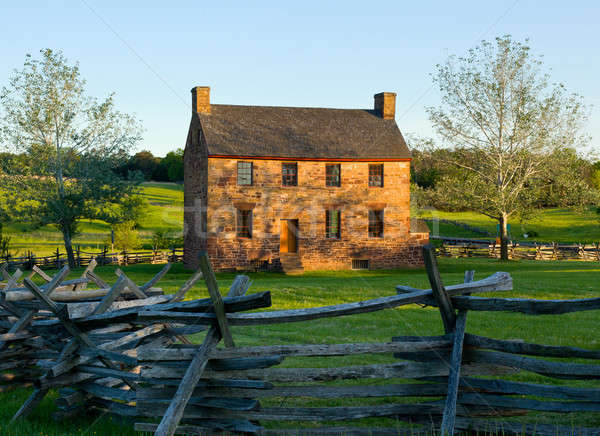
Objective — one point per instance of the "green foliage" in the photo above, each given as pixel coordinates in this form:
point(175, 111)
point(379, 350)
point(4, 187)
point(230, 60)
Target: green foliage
point(126, 236)
point(74, 145)
point(131, 208)
point(161, 240)
point(4, 244)
point(173, 162)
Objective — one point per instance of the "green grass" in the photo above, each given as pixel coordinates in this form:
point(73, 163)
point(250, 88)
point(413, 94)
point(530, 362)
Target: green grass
point(552, 225)
point(550, 280)
point(164, 211)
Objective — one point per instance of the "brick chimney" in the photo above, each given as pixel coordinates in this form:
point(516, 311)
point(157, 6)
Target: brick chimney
point(385, 105)
point(201, 100)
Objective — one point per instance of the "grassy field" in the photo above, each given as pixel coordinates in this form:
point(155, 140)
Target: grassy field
point(551, 280)
point(552, 225)
point(163, 211)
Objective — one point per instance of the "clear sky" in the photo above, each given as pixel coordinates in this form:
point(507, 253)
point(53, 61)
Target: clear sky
point(303, 53)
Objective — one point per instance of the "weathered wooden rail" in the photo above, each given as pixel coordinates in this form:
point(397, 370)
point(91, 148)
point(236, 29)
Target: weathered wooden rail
point(466, 247)
point(124, 351)
point(104, 257)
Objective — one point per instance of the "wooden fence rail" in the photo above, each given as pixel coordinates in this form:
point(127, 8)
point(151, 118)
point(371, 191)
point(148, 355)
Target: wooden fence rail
point(83, 258)
point(464, 247)
point(125, 352)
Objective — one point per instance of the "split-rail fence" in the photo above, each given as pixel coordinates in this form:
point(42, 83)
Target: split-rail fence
point(124, 349)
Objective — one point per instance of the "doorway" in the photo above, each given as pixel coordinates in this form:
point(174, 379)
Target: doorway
point(289, 236)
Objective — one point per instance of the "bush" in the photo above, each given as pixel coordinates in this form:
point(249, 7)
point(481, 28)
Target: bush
point(126, 236)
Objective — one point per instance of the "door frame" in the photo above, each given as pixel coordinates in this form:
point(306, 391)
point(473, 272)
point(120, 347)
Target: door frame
point(288, 235)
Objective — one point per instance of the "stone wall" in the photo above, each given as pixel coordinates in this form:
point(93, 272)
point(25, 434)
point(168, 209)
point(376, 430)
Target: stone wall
point(270, 203)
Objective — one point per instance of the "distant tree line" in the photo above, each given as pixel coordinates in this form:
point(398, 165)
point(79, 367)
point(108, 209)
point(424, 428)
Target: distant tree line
point(430, 170)
point(159, 169)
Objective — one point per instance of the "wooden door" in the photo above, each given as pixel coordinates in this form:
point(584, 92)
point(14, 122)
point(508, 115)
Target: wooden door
point(288, 236)
point(283, 236)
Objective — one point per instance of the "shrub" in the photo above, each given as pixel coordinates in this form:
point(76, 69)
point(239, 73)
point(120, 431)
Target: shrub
point(126, 236)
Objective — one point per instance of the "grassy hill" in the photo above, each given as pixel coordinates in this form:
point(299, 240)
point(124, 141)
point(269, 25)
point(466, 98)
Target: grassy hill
point(164, 211)
point(552, 225)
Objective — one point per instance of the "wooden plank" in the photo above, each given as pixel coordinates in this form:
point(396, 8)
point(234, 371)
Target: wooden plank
point(539, 366)
point(82, 310)
point(439, 292)
point(182, 354)
point(175, 411)
point(215, 295)
point(526, 306)
point(41, 273)
point(520, 347)
point(66, 365)
point(206, 427)
point(131, 285)
point(449, 416)
point(111, 296)
point(31, 403)
point(154, 280)
point(180, 294)
point(394, 370)
point(529, 404)
point(313, 391)
point(90, 275)
point(237, 404)
point(497, 282)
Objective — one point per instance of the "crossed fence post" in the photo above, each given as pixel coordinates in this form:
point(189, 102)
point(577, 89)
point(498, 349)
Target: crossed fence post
point(453, 323)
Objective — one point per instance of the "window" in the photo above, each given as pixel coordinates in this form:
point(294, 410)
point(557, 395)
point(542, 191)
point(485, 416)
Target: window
point(244, 173)
point(376, 175)
point(332, 175)
point(289, 174)
point(360, 263)
point(244, 223)
point(332, 224)
point(375, 223)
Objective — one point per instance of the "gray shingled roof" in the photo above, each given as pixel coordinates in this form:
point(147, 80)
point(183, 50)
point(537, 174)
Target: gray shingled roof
point(296, 132)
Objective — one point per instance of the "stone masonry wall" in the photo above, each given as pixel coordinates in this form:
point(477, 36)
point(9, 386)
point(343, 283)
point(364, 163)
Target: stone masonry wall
point(270, 202)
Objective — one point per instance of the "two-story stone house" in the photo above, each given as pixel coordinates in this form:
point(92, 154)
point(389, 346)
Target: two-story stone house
point(312, 188)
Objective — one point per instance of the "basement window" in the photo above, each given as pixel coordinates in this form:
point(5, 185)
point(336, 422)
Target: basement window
point(375, 223)
point(244, 173)
point(360, 263)
point(376, 175)
point(289, 174)
point(244, 223)
point(333, 175)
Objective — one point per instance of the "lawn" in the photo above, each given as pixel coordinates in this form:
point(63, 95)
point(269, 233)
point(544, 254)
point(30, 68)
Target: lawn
point(551, 280)
point(163, 211)
point(552, 225)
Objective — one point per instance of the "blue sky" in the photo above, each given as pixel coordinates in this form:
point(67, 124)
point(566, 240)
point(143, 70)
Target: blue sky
point(309, 53)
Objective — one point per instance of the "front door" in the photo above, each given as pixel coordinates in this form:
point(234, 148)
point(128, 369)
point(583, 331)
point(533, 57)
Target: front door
point(288, 236)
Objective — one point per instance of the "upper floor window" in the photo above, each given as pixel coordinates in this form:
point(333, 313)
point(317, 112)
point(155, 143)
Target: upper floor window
point(333, 175)
point(289, 174)
point(244, 173)
point(376, 175)
point(332, 224)
point(375, 223)
point(244, 223)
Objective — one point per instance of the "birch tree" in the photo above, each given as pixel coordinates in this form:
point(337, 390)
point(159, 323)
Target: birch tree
point(73, 144)
point(509, 127)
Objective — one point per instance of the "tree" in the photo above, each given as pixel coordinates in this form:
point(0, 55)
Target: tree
point(510, 129)
point(73, 144)
point(173, 162)
point(126, 236)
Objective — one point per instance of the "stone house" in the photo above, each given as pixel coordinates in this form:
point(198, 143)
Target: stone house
point(300, 188)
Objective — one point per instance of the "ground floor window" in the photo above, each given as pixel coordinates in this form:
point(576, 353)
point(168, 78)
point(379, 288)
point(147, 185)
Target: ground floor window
point(375, 223)
point(244, 223)
point(332, 224)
